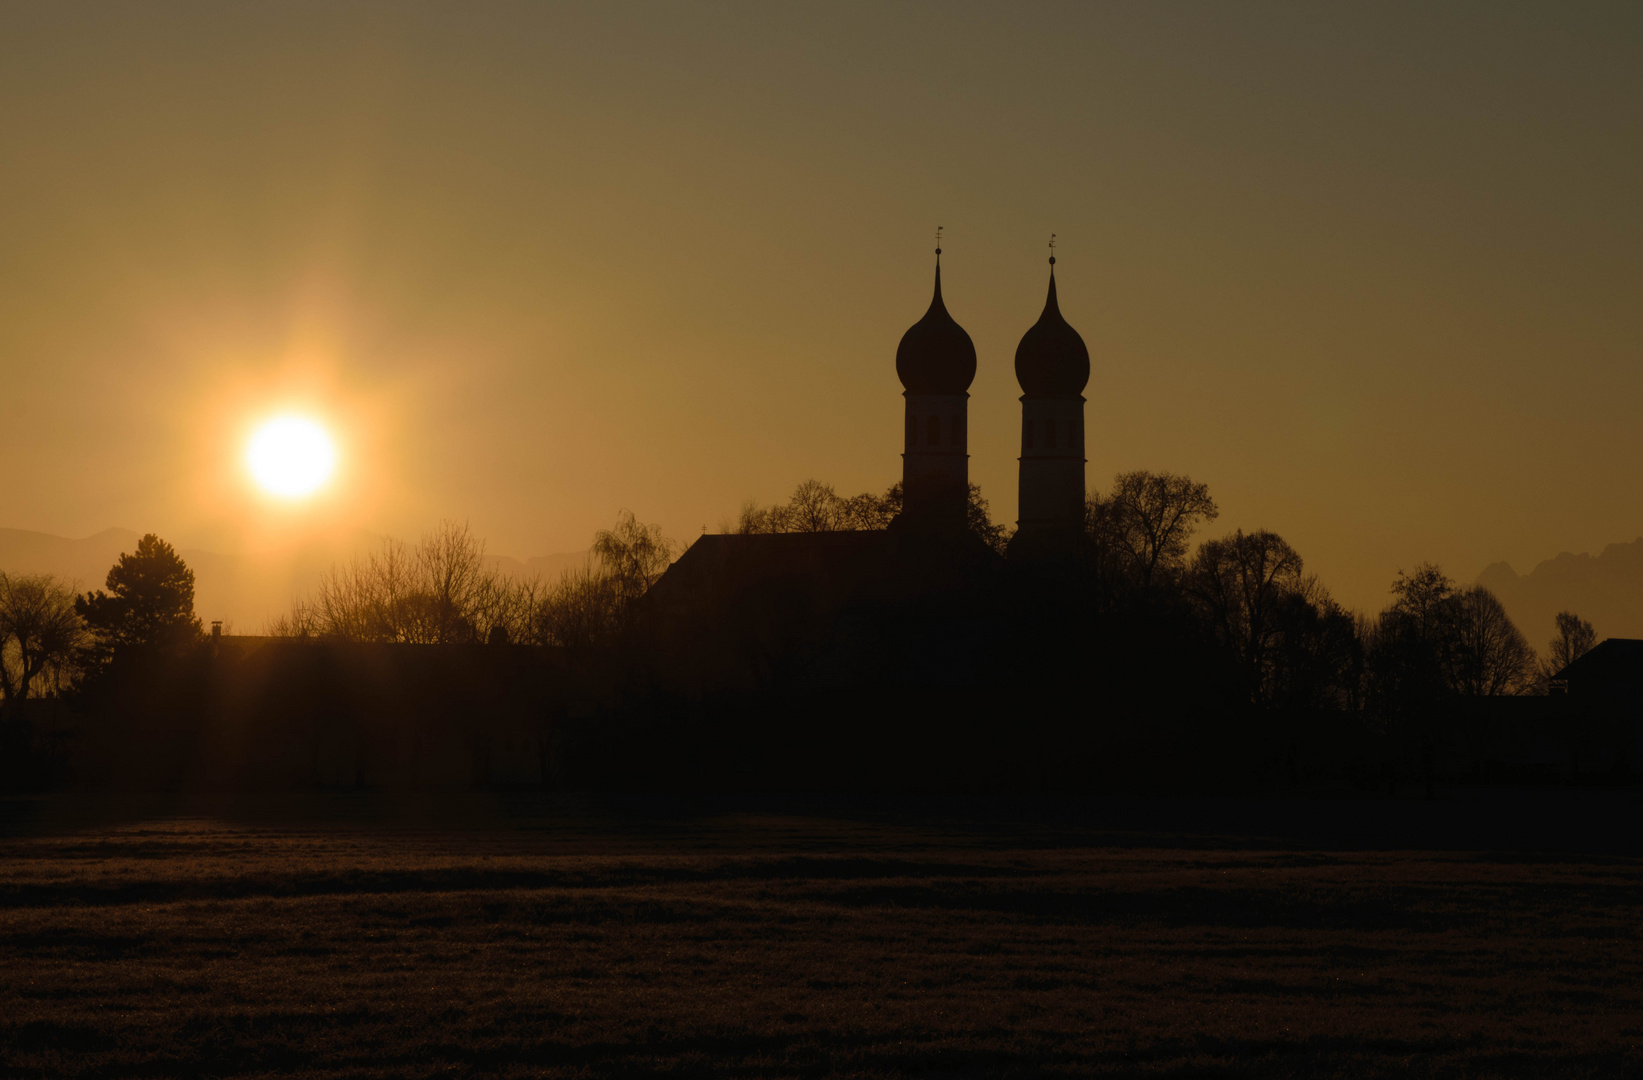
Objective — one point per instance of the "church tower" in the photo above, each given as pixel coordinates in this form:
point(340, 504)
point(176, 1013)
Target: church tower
point(1053, 366)
point(936, 362)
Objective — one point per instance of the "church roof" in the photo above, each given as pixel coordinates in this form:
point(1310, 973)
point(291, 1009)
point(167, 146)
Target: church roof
point(724, 564)
point(1613, 660)
point(936, 356)
point(1052, 360)
point(830, 569)
point(883, 604)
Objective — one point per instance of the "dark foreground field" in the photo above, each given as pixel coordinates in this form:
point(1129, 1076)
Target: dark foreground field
point(1481, 935)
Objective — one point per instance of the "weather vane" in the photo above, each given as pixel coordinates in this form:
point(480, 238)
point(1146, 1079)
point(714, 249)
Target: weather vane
point(1052, 249)
point(938, 239)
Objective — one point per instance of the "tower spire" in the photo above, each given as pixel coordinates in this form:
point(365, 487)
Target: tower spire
point(936, 301)
point(1052, 364)
point(936, 362)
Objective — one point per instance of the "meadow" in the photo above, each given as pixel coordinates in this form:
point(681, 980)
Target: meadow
point(362, 936)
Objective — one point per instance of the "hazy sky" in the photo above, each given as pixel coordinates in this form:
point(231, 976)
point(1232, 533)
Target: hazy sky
point(1371, 271)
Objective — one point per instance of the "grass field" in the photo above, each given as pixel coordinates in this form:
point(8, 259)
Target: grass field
point(491, 936)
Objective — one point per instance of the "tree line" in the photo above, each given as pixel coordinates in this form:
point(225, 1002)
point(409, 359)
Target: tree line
point(442, 591)
point(816, 506)
point(54, 641)
point(1292, 644)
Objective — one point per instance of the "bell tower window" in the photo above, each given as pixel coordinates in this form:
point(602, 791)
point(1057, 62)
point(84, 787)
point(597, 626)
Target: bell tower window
point(933, 431)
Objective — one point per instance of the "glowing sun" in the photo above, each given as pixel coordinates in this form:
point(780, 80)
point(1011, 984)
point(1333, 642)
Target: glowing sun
point(291, 456)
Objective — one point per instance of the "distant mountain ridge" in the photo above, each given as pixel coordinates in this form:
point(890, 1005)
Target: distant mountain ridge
point(245, 592)
point(83, 562)
point(1605, 589)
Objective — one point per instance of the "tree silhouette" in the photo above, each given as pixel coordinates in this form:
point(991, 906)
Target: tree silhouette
point(978, 519)
point(439, 592)
point(451, 563)
point(1491, 656)
point(634, 554)
point(1141, 530)
point(1412, 643)
point(1319, 661)
point(443, 592)
point(581, 610)
point(149, 603)
point(1436, 641)
point(1242, 582)
point(1574, 639)
point(40, 634)
point(1161, 511)
point(818, 507)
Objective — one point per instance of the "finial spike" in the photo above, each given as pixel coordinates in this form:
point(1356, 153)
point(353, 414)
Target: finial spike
point(1052, 251)
point(938, 243)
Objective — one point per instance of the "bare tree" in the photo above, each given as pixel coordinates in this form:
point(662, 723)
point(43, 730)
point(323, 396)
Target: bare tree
point(1242, 582)
point(366, 600)
point(815, 507)
point(450, 565)
point(633, 554)
point(41, 635)
point(384, 596)
point(300, 622)
point(869, 512)
point(582, 609)
point(1426, 598)
point(1319, 659)
point(818, 507)
point(1156, 514)
point(439, 592)
point(1411, 646)
point(1575, 638)
point(506, 608)
point(1437, 640)
point(1491, 656)
point(1105, 549)
point(978, 518)
point(443, 592)
point(756, 519)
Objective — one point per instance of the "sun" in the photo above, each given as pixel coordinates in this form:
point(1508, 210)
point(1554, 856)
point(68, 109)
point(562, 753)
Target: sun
point(291, 456)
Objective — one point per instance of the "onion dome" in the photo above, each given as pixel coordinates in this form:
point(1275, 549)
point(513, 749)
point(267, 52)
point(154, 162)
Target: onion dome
point(1051, 360)
point(936, 356)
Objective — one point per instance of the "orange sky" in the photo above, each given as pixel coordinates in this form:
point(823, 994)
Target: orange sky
point(1372, 271)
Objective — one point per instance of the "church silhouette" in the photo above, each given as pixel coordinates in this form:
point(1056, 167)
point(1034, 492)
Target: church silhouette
point(936, 362)
point(924, 601)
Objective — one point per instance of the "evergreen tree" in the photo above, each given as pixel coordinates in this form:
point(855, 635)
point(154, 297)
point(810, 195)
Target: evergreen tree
point(149, 604)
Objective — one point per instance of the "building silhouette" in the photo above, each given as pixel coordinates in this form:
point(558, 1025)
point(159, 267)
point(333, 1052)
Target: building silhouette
point(919, 603)
point(1053, 366)
point(936, 362)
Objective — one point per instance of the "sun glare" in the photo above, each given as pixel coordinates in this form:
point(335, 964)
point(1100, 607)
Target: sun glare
point(291, 456)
